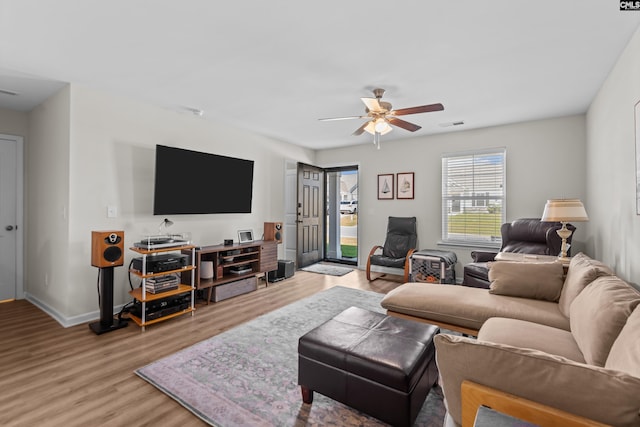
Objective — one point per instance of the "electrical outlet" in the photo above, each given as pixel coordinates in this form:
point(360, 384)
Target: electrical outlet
point(112, 212)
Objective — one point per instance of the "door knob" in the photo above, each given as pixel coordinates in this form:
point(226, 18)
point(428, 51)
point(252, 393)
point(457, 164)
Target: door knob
point(9, 227)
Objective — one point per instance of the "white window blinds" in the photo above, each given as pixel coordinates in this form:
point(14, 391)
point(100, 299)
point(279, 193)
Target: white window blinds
point(473, 197)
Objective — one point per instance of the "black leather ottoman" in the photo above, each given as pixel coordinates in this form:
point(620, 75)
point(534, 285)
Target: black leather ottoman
point(383, 366)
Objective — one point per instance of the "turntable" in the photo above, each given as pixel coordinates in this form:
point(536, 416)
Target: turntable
point(161, 242)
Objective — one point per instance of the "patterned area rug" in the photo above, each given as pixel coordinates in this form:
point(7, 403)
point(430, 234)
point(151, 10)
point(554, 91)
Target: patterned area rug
point(332, 270)
point(248, 375)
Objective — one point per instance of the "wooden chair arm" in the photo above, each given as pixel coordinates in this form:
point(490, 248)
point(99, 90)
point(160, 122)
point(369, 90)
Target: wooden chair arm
point(474, 395)
point(407, 262)
point(373, 250)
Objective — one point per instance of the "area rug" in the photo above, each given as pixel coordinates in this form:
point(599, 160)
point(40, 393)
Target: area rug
point(332, 270)
point(248, 375)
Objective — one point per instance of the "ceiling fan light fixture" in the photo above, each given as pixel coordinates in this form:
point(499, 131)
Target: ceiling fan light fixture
point(382, 126)
point(370, 127)
point(381, 117)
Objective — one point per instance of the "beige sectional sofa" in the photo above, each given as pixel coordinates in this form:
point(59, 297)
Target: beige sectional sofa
point(572, 343)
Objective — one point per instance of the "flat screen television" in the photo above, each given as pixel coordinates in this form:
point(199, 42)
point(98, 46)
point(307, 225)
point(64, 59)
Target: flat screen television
point(192, 182)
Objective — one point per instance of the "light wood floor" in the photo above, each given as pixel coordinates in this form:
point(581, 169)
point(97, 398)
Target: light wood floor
point(55, 376)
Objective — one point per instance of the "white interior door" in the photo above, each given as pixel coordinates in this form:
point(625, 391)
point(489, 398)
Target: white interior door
point(290, 211)
point(9, 158)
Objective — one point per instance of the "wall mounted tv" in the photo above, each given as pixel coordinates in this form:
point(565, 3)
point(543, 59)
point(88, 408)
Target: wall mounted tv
point(191, 182)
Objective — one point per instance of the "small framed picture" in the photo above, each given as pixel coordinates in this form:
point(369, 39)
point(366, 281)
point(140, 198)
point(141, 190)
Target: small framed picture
point(405, 185)
point(245, 236)
point(385, 186)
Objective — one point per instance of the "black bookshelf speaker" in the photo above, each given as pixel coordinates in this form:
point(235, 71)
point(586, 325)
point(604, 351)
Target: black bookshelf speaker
point(273, 231)
point(107, 248)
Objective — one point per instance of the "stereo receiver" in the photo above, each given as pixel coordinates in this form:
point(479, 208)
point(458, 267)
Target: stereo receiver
point(160, 308)
point(162, 262)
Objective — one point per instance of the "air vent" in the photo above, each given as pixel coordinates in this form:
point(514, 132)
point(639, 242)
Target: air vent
point(446, 125)
point(194, 111)
point(8, 92)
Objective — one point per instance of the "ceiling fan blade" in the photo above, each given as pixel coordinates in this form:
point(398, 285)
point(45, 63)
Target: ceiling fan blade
point(360, 130)
point(342, 118)
point(372, 104)
point(403, 124)
point(415, 110)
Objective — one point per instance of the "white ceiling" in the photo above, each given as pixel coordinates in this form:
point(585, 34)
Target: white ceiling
point(275, 67)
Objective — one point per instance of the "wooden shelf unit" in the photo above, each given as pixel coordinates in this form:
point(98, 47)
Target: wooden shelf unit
point(144, 297)
point(260, 256)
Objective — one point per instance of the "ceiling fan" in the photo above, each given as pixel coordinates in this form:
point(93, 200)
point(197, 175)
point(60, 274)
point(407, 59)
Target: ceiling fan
point(381, 116)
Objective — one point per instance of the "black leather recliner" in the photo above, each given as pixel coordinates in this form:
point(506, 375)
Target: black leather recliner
point(525, 235)
point(401, 242)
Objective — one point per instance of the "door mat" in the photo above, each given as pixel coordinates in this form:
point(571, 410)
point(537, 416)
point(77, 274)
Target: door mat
point(332, 270)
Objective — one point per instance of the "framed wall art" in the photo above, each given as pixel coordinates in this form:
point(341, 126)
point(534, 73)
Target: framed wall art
point(405, 185)
point(385, 186)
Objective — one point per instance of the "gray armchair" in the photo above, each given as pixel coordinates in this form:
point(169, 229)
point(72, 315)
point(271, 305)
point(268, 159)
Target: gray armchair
point(400, 243)
point(525, 235)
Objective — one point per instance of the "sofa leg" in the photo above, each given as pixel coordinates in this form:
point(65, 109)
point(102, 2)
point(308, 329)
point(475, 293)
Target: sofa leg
point(307, 394)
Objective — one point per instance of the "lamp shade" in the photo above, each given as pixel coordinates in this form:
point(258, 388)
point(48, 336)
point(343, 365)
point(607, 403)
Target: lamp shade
point(564, 210)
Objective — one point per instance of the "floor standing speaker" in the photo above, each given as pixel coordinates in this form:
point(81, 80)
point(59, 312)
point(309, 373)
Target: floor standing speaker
point(107, 252)
point(107, 248)
point(273, 231)
point(107, 323)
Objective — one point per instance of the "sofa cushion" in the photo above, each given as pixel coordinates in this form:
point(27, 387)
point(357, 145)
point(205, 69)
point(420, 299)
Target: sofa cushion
point(625, 351)
point(600, 394)
point(598, 314)
point(582, 271)
point(468, 307)
point(520, 333)
point(537, 280)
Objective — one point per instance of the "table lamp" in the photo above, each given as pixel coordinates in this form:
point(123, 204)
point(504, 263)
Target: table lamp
point(564, 211)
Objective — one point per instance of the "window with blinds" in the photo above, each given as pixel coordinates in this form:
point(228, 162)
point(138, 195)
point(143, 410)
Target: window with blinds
point(473, 197)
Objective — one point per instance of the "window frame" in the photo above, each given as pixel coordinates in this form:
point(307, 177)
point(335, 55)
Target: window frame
point(473, 200)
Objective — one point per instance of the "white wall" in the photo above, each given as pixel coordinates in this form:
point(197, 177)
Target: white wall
point(90, 150)
point(611, 161)
point(14, 123)
point(545, 159)
point(47, 211)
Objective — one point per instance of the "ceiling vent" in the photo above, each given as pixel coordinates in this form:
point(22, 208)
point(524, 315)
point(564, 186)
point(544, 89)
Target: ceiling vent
point(449, 124)
point(8, 92)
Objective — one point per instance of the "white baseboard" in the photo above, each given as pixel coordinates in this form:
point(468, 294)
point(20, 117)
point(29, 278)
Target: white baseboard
point(64, 320)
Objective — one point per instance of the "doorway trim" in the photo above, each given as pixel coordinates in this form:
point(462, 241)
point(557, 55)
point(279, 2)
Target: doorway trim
point(333, 226)
point(19, 141)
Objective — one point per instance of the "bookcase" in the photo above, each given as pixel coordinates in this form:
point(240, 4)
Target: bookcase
point(146, 299)
point(235, 267)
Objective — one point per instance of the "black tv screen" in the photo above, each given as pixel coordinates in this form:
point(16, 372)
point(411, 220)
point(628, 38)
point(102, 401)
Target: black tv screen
point(192, 182)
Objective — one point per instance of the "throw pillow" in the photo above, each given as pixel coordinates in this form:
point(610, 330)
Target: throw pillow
point(582, 271)
point(536, 280)
point(625, 351)
point(599, 313)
